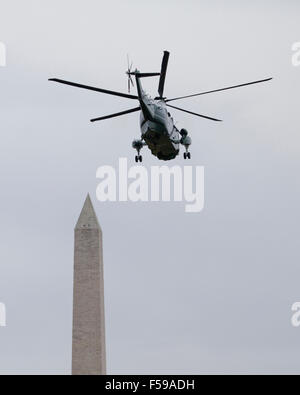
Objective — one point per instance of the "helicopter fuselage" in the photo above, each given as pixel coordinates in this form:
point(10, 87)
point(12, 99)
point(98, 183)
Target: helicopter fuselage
point(157, 127)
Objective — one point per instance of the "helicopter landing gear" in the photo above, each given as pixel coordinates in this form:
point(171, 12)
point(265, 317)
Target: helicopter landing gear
point(186, 141)
point(138, 158)
point(138, 145)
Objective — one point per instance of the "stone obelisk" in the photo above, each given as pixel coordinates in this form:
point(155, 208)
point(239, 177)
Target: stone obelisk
point(88, 349)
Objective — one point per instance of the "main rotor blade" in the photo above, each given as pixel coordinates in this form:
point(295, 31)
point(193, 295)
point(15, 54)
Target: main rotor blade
point(218, 90)
point(91, 88)
point(163, 73)
point(118, 114)
point(194, 113)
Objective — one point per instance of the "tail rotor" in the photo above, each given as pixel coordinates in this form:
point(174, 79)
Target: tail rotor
point(128, 72)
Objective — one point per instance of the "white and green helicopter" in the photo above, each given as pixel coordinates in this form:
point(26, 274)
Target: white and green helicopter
point(158, 130)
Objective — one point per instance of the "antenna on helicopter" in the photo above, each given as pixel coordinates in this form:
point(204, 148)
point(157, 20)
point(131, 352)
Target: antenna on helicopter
point(128, 72)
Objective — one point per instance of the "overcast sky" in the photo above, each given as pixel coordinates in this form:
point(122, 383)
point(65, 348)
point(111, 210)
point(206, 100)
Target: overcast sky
point(209, 292)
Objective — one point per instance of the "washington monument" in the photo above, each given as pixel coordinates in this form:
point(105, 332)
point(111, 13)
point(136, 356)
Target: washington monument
point(88, 350)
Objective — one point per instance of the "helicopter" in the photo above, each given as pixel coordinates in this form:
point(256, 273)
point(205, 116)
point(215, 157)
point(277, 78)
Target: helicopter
point(158, 130)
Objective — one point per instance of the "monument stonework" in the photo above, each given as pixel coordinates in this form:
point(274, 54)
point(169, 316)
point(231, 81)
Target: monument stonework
point(88, 348)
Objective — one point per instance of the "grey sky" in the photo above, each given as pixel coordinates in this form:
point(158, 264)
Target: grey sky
point(185, 293)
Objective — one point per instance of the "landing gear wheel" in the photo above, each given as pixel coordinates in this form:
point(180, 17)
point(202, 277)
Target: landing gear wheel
point(141, 158)
point(189, 155)
point(184, 155)
point(137, 159)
